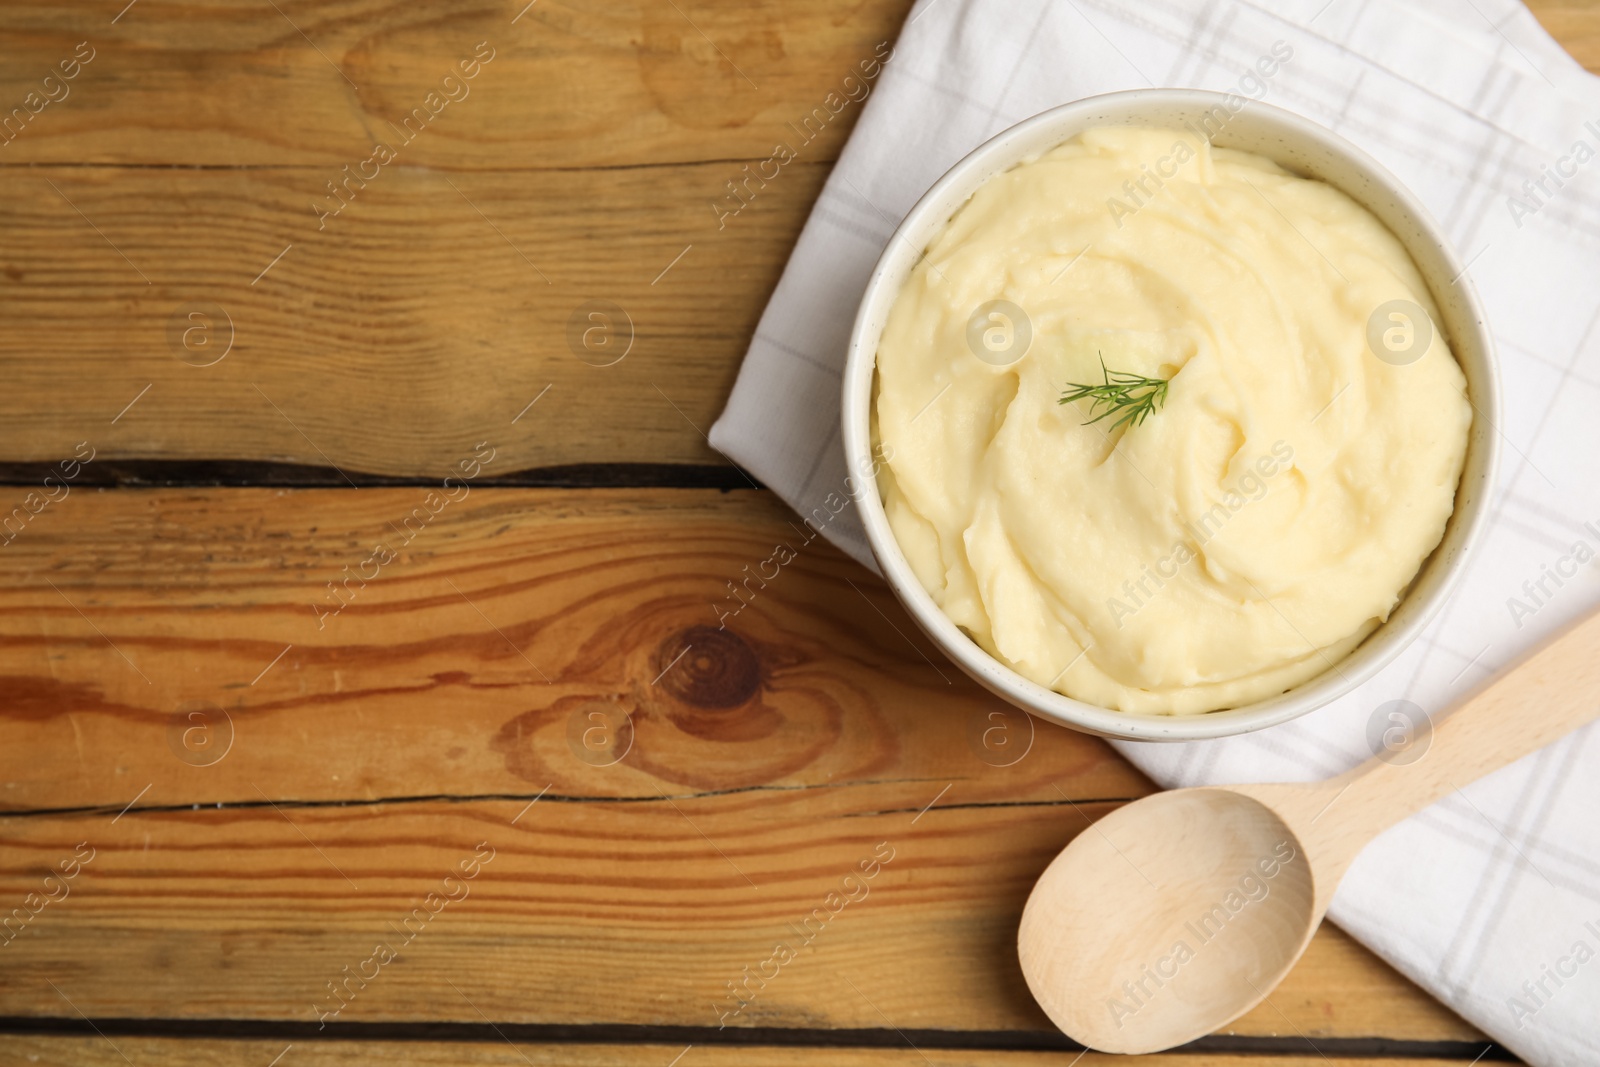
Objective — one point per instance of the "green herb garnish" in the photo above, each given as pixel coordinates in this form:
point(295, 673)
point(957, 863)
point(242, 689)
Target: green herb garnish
point(1134, 395)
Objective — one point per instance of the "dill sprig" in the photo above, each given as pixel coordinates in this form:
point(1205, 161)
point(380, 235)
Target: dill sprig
point(1133, 395)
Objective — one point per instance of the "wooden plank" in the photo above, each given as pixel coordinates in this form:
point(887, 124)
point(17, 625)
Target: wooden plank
point(251, 914)
point(395, 339)
point(568, 84)
point(767, 762)
point(445, 654)
point(45, 1051)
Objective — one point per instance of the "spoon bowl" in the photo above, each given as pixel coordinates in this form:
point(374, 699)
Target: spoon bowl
point(1213, 901)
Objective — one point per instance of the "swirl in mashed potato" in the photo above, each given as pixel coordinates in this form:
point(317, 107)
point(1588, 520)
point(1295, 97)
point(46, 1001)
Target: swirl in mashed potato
point(1247, 534)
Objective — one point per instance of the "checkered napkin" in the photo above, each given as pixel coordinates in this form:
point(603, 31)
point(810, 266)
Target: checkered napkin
point(1489, 899)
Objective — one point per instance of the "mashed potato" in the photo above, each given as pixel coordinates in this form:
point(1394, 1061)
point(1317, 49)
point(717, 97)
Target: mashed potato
point(1255, 527)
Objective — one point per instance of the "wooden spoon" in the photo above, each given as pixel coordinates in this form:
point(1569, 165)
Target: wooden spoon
point(1178, 913)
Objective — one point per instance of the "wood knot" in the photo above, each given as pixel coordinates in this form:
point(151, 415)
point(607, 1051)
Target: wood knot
point(705, 667)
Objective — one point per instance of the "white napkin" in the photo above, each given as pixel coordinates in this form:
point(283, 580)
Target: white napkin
point(1490, 898)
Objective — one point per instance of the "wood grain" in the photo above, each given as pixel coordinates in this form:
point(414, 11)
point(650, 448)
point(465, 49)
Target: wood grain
point(767, 762)
point(435, 673)
point(396, 338)
point(177, 1052)
point(201, 141)
point(572, 83)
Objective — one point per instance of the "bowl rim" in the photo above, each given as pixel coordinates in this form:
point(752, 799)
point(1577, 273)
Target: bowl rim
point(1463, 534)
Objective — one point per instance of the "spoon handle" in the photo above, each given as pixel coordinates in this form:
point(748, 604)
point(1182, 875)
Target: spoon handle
point(1539, 700)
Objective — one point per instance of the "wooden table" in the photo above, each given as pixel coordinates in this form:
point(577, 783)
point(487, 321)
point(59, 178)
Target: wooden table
point(311, 755)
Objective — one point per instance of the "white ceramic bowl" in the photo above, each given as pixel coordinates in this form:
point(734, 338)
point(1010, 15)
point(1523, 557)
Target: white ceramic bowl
point(1298, 145)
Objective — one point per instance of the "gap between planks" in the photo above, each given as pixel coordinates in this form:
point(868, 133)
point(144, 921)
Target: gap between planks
point(783, 1037)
